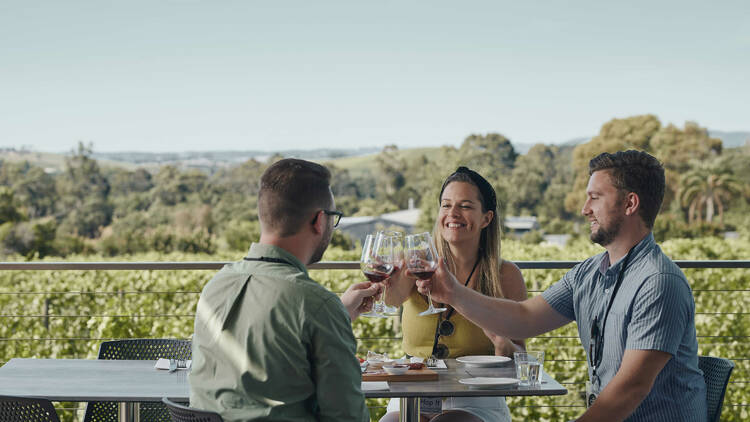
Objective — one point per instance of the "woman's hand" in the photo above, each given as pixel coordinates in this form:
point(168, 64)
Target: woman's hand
point(398, 286)
point(503, 345)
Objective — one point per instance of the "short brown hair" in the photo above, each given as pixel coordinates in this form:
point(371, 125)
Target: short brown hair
point(290, 190)
point(638, 172)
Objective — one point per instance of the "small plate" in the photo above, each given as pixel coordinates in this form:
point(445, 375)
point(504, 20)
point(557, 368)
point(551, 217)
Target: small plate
point(485, 382)
point(483, 360)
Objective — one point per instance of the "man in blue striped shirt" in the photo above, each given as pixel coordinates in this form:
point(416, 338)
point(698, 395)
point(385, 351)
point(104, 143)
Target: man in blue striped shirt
point(634, 308)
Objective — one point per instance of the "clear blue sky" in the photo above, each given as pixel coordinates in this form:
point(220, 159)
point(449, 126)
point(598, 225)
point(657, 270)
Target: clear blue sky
point(161, 75)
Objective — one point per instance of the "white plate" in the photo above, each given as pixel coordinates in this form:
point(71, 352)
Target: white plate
point(483, 360)
point(486, 382)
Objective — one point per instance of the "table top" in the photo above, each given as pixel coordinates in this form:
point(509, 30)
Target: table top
point(447, 384)
point(92, 380)
point(137, 380)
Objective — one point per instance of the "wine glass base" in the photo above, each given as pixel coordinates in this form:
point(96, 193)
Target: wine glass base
point(372, 314)
point(432, 311)
point(390, 311)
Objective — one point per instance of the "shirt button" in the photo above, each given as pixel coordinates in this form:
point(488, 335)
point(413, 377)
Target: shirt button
point(606, 290)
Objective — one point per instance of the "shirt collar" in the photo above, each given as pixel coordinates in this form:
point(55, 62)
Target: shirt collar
point(640, 249)
point(258, 250)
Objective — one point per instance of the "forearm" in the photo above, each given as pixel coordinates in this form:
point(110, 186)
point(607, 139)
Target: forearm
point(503, 317)
point(618, 401)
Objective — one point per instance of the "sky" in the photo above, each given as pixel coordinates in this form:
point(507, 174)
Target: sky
point(198, 75)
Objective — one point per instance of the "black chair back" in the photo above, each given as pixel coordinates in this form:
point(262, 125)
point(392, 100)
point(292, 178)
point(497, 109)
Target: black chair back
point(26, 409)
point(137, 349)
point(716, 372)
point(182, 413)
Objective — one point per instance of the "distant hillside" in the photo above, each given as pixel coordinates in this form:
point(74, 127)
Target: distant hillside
point(731, 139)
point(51, 162)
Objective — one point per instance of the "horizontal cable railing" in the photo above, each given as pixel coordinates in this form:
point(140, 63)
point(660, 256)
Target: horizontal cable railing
point(328, 265)
point(739, 380)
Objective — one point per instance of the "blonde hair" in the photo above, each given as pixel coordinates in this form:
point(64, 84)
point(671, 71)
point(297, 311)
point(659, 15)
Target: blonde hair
point(489, 256)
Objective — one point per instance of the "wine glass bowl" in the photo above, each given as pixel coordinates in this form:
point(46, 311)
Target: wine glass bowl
point(377, 265)
point(421, 259)
point(397, 242)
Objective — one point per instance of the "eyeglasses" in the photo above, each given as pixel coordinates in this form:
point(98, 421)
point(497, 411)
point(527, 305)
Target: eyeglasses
point(337, 216)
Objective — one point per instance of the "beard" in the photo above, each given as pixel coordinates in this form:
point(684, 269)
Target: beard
point(322, 246)
point(606, 235)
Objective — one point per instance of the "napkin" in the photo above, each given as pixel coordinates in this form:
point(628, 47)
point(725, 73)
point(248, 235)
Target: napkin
point(164, 364)
point(374, 385)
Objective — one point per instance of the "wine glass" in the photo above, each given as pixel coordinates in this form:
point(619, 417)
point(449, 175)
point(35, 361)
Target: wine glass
point(421, 259)
point(377, 265)
point(397, 241)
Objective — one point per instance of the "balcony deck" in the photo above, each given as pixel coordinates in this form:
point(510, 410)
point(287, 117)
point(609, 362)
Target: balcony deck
point(568, 364)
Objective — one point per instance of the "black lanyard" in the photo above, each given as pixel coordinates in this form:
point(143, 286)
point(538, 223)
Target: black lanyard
point(267, 259)
point(596, 342)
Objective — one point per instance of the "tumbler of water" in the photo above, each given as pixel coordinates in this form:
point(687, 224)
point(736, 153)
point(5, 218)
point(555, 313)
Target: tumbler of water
point(529, 366)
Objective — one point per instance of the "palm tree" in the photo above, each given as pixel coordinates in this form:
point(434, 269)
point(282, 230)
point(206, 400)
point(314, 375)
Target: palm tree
point(709, 186)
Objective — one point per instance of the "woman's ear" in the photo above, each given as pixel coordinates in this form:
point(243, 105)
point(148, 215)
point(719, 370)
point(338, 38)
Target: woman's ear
point(487, 218)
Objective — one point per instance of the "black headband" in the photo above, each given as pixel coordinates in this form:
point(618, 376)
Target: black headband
point(485, 188)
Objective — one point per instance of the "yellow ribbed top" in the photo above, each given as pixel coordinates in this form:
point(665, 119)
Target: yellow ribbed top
point(419, 332)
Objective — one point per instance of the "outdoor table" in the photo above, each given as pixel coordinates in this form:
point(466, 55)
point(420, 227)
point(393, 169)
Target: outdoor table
point(82, 380)
point(447, 385)
point(131, 381)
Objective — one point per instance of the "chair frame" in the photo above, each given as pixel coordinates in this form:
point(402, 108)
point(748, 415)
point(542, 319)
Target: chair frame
point(182, 413)
point(720, 372)
point(138, 349)
point(43, 404)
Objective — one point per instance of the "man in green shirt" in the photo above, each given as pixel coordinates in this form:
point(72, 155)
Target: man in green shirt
point(270, 343)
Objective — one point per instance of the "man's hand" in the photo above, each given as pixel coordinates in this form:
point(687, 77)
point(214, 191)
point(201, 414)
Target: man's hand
point(441, 286)
point(359, 298)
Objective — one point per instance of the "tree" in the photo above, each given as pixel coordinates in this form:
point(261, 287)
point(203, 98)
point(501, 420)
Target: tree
point(616, 135)
point(84, 206)
point(707, 186)
point(491, 155)
point(9, 212)
point(530, 178)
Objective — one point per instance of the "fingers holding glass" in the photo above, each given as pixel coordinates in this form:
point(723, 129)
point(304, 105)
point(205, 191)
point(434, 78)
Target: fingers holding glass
point(422, 261)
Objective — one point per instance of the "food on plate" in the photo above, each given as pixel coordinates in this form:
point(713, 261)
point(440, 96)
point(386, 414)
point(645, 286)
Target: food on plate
point(416, 365)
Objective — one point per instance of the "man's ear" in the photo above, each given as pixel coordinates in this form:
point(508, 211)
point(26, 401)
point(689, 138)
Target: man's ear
point(318, 223)
point(632, 203)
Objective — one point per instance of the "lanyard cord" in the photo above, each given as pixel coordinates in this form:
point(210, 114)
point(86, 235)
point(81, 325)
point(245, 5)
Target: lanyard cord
point(596, 343)
point(267, 259)
point(450, 312)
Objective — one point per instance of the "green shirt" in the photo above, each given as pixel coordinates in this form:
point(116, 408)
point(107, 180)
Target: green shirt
point(270, 343)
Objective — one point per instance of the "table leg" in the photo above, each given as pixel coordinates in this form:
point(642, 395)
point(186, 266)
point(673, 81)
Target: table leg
point(129, 412)
point(409, 411)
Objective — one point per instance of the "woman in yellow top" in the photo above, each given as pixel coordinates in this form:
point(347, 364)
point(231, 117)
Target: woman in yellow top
point(467, 236)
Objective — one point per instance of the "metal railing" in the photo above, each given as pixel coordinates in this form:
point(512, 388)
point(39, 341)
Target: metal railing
point(739, 380)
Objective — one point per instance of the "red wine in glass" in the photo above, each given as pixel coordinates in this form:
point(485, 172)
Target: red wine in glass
point(376, 276)
point(423, 274)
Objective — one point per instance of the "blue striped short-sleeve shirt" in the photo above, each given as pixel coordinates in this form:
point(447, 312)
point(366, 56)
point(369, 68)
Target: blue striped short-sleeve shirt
point(653, 310)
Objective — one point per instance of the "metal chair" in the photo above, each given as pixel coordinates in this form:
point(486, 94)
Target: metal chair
point(137, 349)
point(456, 415)
point(26, 409)
point(716, 372)
point(182, 413)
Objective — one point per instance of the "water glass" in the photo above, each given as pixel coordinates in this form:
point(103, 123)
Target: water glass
point(529, 365)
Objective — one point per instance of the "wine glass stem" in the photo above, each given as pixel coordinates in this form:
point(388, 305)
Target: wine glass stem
point(429, 299)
